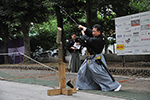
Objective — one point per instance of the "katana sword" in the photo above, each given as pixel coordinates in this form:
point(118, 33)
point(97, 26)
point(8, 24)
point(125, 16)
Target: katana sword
point(99, 62)
point(67, 14)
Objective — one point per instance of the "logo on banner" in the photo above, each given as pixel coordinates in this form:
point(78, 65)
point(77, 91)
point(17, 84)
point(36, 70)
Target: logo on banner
point(118, 25)
point(119, 36)
point(127, 28)
point(146, 50)
point(127, 46)
point(135, 22)
point(128, 51)
point(136, 50)
point(136, 40)
point(136, 34)
point(136, 46)
point(129, 35)
point(127, 41)
point(120, 41)
point(135, 17)
point(145, 39)
point(143, 33)
point(120, 46)
point(144, 21)
point(136, 29)
point(145, 27)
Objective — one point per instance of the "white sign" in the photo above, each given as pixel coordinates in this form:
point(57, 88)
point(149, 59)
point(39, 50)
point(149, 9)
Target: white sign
point(133, 34)
point(77, 46)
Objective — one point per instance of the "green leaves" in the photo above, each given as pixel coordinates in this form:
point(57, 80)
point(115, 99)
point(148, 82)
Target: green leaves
point(15, 13)
point(141, 5)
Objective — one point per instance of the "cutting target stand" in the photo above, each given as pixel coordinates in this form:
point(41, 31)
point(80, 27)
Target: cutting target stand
point(61, 72)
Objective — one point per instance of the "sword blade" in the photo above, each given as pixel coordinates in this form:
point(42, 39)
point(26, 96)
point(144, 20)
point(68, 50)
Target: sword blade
point(68, 15)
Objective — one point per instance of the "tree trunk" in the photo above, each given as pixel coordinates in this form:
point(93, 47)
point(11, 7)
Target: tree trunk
point(5, 37)
point(94, 17)
point(91, 14)
point(25, 30)
point(88, 13)
point(6, 47)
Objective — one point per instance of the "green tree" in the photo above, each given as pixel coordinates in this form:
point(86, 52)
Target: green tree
point(140, 5)
point(45, 35)
point(22, 13)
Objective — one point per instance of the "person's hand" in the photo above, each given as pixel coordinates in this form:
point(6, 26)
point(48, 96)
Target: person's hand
point(80, 26)
point(82, 31)
point(73, 48)
point(77, 43)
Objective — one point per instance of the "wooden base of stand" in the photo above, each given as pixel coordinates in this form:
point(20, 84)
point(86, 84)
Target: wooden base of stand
point(62, 83)
point(64, 91)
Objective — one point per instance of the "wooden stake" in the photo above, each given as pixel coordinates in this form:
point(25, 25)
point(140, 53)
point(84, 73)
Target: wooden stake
point(62, 83)
point(62, 75)
point(61, 72)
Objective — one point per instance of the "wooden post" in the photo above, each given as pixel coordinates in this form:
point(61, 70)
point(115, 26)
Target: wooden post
point(62, 75)
point(61, 71)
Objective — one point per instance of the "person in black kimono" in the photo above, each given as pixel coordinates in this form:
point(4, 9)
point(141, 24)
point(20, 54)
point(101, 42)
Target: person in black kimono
point(73, 46)
point(91, 74)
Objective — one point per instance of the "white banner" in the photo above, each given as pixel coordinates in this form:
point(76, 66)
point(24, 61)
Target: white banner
point(133, 34)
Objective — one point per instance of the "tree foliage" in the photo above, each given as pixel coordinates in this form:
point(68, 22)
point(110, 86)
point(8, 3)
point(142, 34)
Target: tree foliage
point(140, 5)
point(20, 14)
point(45, 35)
point(18, 18)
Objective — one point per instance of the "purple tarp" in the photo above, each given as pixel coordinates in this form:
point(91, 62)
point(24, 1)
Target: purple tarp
point(15, 46)
point(1, 51)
